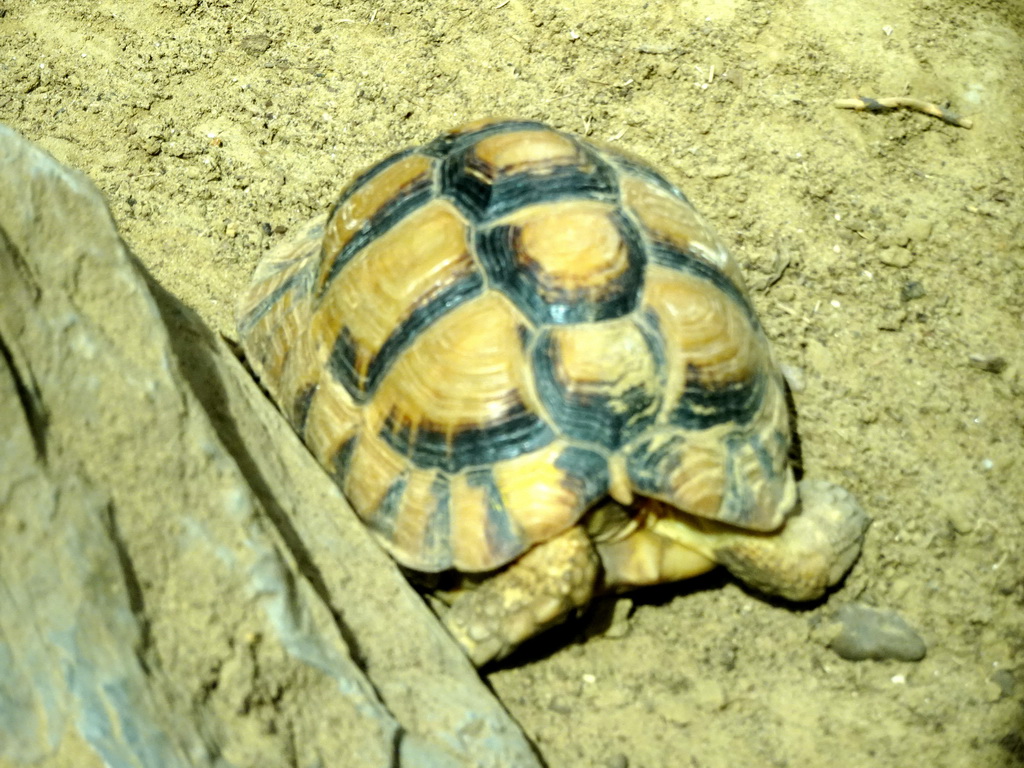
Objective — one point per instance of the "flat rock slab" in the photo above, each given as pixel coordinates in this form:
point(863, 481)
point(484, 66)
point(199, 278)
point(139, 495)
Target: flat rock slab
point(181, 584)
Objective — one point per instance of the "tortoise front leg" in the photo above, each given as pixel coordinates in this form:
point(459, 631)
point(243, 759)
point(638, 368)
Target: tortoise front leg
point(538, 590)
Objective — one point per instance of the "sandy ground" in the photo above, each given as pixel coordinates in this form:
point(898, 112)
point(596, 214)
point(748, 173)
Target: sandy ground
point(886, 253)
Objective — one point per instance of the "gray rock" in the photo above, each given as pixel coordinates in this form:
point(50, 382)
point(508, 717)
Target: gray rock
point(862, 632)
point(183, 586)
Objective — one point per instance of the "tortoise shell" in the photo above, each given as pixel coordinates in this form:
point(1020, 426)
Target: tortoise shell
point(495, 331)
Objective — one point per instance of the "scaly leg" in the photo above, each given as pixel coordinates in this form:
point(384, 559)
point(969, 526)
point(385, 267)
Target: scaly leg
point(536, 591)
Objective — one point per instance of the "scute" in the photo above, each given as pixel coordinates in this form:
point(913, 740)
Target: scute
point(565, 262)
point(461, 394)
point(379, 197)
point(505, 170)
point(602, 382)
point(396, 285)
point(718, 355)
point(491, 333)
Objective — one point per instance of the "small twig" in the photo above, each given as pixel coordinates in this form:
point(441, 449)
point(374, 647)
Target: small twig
point(876, 106)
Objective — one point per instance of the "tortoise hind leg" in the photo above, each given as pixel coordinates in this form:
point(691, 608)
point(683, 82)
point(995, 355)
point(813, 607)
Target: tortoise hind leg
point(536, 591)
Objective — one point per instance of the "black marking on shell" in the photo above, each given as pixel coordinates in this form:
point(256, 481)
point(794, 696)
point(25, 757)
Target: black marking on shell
point(650, 461)
point(341, 460)
point(435, 552)
point(516, 432)
point(526, 336)
point(483, 200)
point(703, 405)
point(500, 252)
point(341, 362)
point(607, 419)
point(450, 143)
point(411, 198)
point(694, 264)
point(419, 319)
point(341, 365)
point(585, 474)
point(637, 168)
point(738, 500)
point(301, 281)
point(503, 537)
point(385, 517)
point(300, 407)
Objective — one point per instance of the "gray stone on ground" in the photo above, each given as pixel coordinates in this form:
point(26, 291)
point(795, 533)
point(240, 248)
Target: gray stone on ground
point(861, 632)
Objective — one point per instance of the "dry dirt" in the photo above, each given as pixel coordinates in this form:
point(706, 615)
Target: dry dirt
point(886, 253)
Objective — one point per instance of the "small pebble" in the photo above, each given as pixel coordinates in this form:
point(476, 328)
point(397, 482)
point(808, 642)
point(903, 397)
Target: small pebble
point(560, 705)
point(717, 171)
point(915, 229)
point(961, 519)
point(871, 633)
point(254, 45)
point(896, 257)
point(1005, 680)
point(912, 289)
point(893, 319)
point(988, 363)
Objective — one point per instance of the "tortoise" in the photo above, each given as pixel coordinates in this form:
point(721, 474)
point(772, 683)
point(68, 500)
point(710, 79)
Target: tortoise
point(529, 361)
